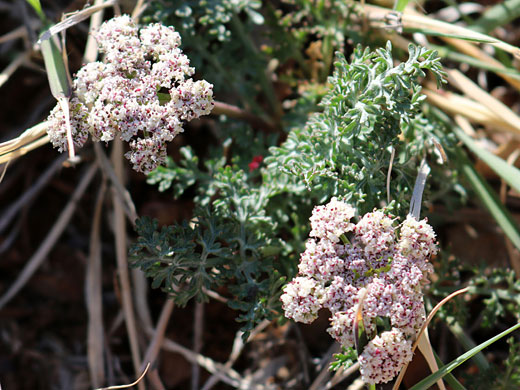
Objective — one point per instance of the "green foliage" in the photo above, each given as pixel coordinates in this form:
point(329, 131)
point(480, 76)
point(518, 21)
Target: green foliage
point(345, 150)
point(344, 359)
point(184, 258)
point(250, 225)
point(229, 242)
point(502, 289)
point(309, 32)
point(499, 377)
point(211, 17)
point(497, 290)
point(216, 35)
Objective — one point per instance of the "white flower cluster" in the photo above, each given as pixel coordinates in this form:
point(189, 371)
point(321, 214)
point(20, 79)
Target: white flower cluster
point(141, 93)
point(383, 267)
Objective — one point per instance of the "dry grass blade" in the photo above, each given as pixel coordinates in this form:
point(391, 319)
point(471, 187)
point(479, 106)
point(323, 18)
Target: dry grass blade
point(19, 32)
point(236, 350)
point(420, 22)
point(122, 261)
point(231, 111)
point(74, 18)
point(30, 193)
point(325, 372)
point(91, 48)
point(156, 340)
point(48, 243)
point(226, 375)
point(121, 192)
point(464, 84)
point(514, 253)
point(389, 175)
point(139, 9)
point(413, 20)
point(341, 375)
point(12, 67)
point(140, 295)
point(425, 347)
point(424, 327)
point(157, 334)
point(136, 382)
point(93, 295)
point(24, 149)
point(472, 50)
point(470, 109)
point(30, 135)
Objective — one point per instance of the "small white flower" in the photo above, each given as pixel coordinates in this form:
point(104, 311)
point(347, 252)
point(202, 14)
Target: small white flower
point(119, 97)
point(332, 220)
point(417, 239)
point(301, 299)
point(384, 357)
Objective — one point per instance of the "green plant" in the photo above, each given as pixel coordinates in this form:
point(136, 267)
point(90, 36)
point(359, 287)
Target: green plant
point(248, 229)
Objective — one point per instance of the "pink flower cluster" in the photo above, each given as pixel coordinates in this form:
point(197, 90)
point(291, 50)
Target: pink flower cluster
point(141, 93)
point(375, 263)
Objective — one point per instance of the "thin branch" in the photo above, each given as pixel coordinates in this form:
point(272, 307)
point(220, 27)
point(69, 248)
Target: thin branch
point(48, 243)
point(123, 196)
point(235, 112)
point(227, 375)
point(136, 382)
point(197, 342)
point(30, 193)
point(236, 350)
point(93, 295)
point(122, 261)
point(158, 333)
point(12, 67)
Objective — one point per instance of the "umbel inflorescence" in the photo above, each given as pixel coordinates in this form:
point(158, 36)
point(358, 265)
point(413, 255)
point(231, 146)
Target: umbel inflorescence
point(141, 93)
point(375, 263)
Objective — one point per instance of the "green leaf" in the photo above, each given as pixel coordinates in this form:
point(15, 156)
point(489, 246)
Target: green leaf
point(490, 200)
point(400, 5)
point(499, 15)
point(433, 378)
point(449, 378)
point(57, 72)
point(37, 8)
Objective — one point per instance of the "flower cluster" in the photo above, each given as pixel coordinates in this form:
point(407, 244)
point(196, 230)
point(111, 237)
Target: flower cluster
point(373, 267)
point(141, 93)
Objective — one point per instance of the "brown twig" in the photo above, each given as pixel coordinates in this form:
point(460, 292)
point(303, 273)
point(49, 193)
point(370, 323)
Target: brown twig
point(231, 111)
point(325, 371)
point(236, 350)
point(198, 325)
point(341, 375)
point(48, 243)
point(157, 334)
point(13, 66)
point(121, 192)
point(136, 382)
point(30, 193)
point(122, 261)
point(93, 295)
point(226, 375)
